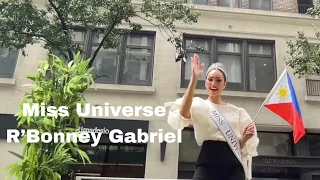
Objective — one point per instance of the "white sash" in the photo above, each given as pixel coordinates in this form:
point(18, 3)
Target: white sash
point(227, 133)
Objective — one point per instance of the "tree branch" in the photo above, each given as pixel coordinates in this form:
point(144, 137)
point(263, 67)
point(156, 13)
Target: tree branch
point(63, 25)
point(149, 21)
point(111, 27)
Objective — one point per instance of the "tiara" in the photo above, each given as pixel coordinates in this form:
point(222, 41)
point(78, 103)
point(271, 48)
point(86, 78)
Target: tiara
point(217, 66)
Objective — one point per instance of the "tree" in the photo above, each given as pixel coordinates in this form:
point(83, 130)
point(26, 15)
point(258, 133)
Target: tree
point(23, 23)
point(304, 57)
point(58, 84)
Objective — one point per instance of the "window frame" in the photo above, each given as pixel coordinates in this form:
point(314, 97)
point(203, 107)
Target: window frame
point(245, 85)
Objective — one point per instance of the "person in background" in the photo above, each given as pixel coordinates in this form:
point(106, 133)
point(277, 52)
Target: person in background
point(218, 160)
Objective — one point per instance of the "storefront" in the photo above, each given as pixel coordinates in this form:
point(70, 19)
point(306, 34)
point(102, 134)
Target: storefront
point(279, 158)
point(108, 159)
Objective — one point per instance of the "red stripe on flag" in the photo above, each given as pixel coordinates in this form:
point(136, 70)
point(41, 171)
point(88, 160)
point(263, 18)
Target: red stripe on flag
point(289, 114)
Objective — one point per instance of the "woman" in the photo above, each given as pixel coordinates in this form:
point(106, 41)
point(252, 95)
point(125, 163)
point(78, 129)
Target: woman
point(220, 158)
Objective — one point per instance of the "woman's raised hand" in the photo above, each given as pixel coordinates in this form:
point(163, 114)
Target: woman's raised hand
point(196, 67)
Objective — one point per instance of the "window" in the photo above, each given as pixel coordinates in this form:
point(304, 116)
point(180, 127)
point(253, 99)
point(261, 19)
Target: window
point(188, 154)
point(8, 60)
point(78, 37)
point(261, 4)
point(250, 64)
point(131, 63)
point(113, 160)
point(274, 144)
point(316, 177)
point(314, 144)
point(229, 54)
point(228, 3)
point(189, 149)
point(201, 2)
point(261, 66)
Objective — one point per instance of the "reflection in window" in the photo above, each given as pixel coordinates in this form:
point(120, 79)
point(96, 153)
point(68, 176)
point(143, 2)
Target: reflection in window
point(105, 65)
point(274, 144)
point(113, 161)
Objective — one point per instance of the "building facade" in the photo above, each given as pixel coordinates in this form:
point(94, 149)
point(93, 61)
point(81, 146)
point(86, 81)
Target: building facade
point(248, 36)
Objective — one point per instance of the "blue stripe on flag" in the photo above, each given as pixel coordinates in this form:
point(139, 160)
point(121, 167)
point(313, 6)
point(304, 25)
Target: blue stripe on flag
point(293, 95)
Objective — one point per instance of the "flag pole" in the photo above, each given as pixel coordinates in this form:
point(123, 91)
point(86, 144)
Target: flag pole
point(275, 85)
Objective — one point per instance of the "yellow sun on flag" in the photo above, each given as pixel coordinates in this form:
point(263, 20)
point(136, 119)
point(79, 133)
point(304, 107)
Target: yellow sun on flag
point(283, 92)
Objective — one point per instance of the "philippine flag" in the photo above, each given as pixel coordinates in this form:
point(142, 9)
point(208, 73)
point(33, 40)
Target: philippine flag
point(282, 101)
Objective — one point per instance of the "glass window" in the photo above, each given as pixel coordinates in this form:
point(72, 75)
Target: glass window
point(316, 177)
point(229, 55)
point(233, 67)
point(78, 38)
point(198, 44)
point(131, 63)
point(114, 160)
point(250, 65)
point(260, 49)
point(8, 60)
point(314, 145)
point(205, 58)
point(261, 4)
point(274, 144)
point(261, 67)
point(201, 2)
point(228, 3)
point(229, 47)
point(106, 63)
point(202, 48)
point(137, 66)
point(189, 149)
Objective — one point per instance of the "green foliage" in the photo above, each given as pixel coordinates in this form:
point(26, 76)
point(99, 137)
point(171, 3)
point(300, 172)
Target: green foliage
point(304, 57)
point(23, 23)
point(57, 83)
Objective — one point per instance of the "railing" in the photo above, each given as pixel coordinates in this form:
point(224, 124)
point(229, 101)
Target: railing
point(313, 87)
point(303, 8)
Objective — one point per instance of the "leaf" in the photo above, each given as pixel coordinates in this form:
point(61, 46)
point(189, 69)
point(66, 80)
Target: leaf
point(77, 58)
point(84, 156)
point(58, 176)
point(31, 76)
point(16, 154)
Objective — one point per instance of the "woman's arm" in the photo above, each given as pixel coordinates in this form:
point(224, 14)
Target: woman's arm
point(197, 71)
